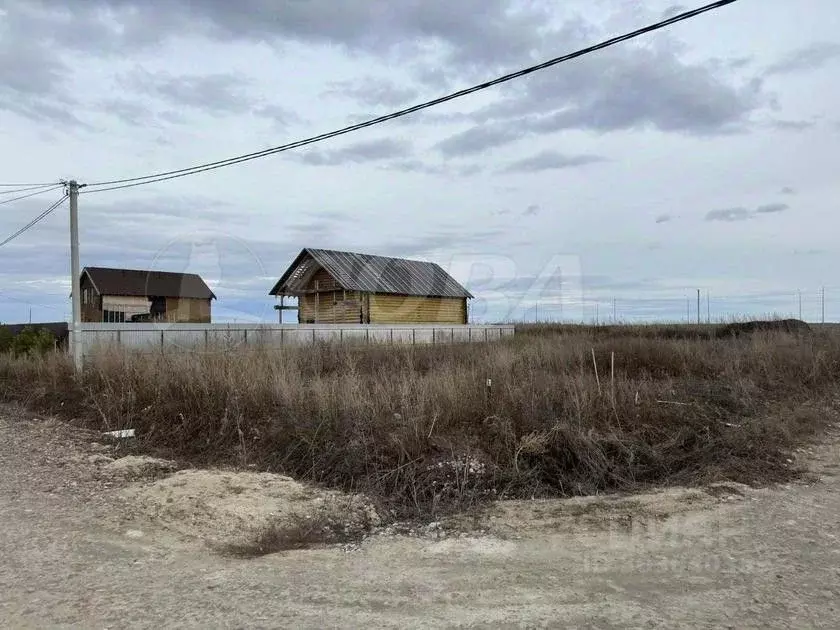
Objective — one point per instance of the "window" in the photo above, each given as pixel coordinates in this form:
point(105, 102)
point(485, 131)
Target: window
point(85, 296)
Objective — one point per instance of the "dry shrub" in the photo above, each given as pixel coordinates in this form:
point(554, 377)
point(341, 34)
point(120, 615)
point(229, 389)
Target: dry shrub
point(415, 426)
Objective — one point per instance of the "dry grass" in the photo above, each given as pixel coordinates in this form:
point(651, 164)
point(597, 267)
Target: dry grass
point(416, 428)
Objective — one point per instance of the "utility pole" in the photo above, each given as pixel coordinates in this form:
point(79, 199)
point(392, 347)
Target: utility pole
point(799, 292)
point(698, 307)
point(687, 309)
point(75, 273)
point(708, 309)
point(614, 312)
point(822, 299)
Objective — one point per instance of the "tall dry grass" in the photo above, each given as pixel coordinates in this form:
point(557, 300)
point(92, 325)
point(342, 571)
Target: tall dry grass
point(418, 428)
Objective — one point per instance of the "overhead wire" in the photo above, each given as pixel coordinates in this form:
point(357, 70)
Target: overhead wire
point(34, 221)
point(116, 184)
point(32, 194)
point(29, 185)
point(28, 188)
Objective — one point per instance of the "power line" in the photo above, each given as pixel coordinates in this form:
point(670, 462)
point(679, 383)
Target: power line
point(29, 185)
point(32, 194)
point(116, 184)
point(28, 188)
point(29, 225)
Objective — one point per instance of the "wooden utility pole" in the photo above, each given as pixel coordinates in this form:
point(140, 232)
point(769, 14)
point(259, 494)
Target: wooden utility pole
point(75, 274)
point(799, 292)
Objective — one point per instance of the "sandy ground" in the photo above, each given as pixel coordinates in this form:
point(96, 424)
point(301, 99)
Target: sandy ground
point(81, 547)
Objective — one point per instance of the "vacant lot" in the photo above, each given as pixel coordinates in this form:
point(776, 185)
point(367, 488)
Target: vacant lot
point(568, 411)
point(77, 554)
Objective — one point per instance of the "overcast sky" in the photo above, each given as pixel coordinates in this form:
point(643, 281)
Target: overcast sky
point(704, 156)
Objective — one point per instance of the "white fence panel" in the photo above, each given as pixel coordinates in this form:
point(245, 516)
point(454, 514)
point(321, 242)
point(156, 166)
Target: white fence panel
point(162, 337)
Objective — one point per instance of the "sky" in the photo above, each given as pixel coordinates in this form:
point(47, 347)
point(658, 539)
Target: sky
point(699, 158)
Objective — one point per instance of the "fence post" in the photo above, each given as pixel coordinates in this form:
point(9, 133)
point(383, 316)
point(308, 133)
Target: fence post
point(161, 341)
point(206, 339)
point(367, 336)
point(485, 334)
point(392, 336)
point(433, 336)
point(469, 334)
point(413, 336)
point(282, 337)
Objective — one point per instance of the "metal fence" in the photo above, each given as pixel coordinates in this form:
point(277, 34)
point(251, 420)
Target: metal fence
point(162, 337)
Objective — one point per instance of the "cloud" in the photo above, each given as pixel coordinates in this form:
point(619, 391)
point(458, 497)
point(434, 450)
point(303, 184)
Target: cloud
point(772, 208)
point(219, 93)
point(477, 140)
point(503, 34)
point(810, 57)
point(787, 190)
point(630, 88)
point(671, 11)
point(375, 92)
point(531, 210)
point(358, 153)
point(729, 214)
point(550, 160)
point(664, 218)
point(446, 170)
point(743, 214)
point(791, 125)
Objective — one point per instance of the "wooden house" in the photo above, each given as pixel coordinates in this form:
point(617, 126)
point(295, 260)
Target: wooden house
point(131, 295)
point(335, 287)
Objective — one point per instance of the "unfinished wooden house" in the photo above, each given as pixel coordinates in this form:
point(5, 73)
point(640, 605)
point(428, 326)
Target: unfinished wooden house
point(345, 288)
point(134, 295)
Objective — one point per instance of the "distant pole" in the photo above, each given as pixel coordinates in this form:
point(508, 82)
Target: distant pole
point(698, 307)
point(30, 314)
point(75, 274)
point(537, 312)
point(708, 309)
point(596, 313)
point(614, 311)
point(687, 309)
point(799, 292)
point(822, 299)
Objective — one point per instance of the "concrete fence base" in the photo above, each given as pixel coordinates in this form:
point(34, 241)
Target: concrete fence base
point(174, 337)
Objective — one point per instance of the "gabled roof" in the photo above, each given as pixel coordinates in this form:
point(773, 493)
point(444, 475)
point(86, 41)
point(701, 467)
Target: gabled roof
point(140, 283)
point(370, 274)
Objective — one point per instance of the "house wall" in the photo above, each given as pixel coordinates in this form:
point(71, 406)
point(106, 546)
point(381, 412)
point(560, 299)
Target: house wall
point(92, 305)
point(188, 310)
point(330, 307)
point(409, 309)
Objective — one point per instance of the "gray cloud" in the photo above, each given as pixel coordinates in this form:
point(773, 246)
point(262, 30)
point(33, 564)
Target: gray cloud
point(501, 35)
point(375, 92)
point(664, 218)
point(787, 190)
point(648, 88)
point(810, 57)
point(743, 214)
point(549, 160)
point(531, 210)
point(360, 152)
point(772, 208)
point(446, 170)
point(477, 140)
point(729, 214)
point(214, 93)
point(791, 125)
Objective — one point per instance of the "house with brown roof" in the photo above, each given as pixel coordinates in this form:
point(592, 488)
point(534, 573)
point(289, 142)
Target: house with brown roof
point(334, 287)
point(132, 295)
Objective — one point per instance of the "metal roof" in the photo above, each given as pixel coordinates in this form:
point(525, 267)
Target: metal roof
point(136, 282)
point(370, 274)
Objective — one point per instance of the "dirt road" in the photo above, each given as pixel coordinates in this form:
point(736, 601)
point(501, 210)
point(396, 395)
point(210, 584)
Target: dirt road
point(732, 557)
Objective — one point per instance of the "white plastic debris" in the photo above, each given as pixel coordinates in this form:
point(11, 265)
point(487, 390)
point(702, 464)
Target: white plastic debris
point(123, 433)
